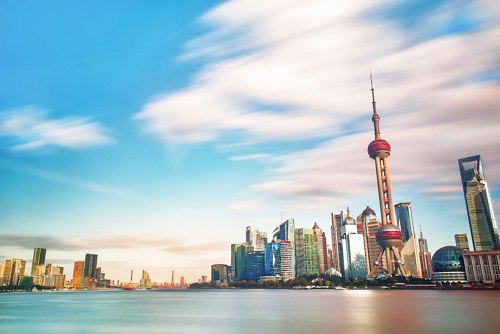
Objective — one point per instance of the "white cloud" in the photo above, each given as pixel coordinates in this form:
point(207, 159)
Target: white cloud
point(294, 70)
point(250, 156)
point(31, 129)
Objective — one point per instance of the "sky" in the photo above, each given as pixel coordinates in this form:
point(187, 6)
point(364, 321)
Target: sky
point(152, 133)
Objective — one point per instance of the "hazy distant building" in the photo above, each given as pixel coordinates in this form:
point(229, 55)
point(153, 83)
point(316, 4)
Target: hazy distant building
point(77, 281)
point(425, 256)
point(482, 221)
point(367, 225)
point(145, 280)
point(306, 252)
point(410, 251)
point(38, 259)
point(322, 250)
point(352, 251)
point(482, 267)
point(219, 273)
point(12, 270)
point(90, 266)
point(462, 241)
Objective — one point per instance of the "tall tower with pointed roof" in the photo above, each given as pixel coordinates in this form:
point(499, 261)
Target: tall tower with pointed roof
point(389, 236)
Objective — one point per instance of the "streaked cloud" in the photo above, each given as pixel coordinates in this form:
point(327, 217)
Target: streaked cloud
point(50, 176)
point(245, 205)
point(250, 156)
point(302, 75)
point(31, 128)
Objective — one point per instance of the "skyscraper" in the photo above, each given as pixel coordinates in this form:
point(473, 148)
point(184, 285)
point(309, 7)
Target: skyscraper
point(425, 256)
point(352, 251)
point(287, 253)
point(257, 239)
point(337, 220)
point(482, 221)
point(273, 259)
point(12, 270)
point(287, 230)
point(38, 259)
point(461, 241)
point(389, 236)
point(77, 274)
point(368, 224)
point(410, 252)
point(90, 267)
point(255, 265)
point(322, 250)
point(239, 261)
point(306, 252)
point(219, 273)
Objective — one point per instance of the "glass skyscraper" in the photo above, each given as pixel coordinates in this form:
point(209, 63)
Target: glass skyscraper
point(482, 221)
point(38, 259)
point(90, 266)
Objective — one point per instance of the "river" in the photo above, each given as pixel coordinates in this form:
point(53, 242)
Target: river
point(251, 311)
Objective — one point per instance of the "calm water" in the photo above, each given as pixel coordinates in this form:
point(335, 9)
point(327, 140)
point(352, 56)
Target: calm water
point(251, 311)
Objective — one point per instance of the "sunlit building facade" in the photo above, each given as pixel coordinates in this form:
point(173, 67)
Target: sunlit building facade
point(322, 250)
point(12, 270)
point(482, 267)
point(38, 259)
point(352, 251)
point(462, 241)
point(77, 281)
point(367, 225)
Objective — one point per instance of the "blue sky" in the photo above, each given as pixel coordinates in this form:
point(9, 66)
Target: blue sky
point(152, 133)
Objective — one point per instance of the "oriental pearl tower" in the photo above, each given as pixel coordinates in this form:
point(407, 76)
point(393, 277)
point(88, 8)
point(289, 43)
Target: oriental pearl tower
point(389, 236)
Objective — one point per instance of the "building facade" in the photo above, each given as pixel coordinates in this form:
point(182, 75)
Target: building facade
point(38, 259)
point(482, 221)
point(482, 267)
point(352, 252)
point(287, 253)
point(368, 224)
point(425, 256)
point(337, 219)
point(90, 267)
point(12, 270)
point(219, 273)
point(462, 241)
point(255, 265)
point(322, 250)
point(306, 252)
point(410, 251)
point(77, 281)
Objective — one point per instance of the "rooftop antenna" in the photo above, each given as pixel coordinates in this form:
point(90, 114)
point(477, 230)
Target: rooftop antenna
point(375, 117)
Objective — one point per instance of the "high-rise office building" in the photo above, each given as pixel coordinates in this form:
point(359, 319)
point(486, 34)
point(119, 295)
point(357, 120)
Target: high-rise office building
point(77, 274)
point(145, 280)
point(90, 266)
point(337, 220)
point(482, 221)
point(368, 224)
point(287, 230)
point(306, 252)
point(389, 236)
point(322, 250)
point(255, 265)
point(425, 256)
point(12, 270)
point(410, 251)
point(273, 259)
point(219, 273)
point(38, 259)
point(257, 239)
point(239, 260)
point(287, 253)
point(461, 241)
point(352, 251)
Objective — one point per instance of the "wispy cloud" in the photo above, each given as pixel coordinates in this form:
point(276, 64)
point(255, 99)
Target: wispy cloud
point(245, 205)
point(68, 181)
point(303, 75)
point(164, 243)
point(30, 128)
point(250, 156)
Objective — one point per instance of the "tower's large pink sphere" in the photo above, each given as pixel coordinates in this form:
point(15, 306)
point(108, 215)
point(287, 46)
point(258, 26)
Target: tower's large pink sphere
point(389, 235)
point(379, 148)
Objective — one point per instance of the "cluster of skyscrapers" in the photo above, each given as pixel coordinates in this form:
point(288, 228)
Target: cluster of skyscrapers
point(86, 274)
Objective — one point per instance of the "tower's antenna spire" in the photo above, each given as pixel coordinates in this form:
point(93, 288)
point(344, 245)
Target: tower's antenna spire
point(375, 117)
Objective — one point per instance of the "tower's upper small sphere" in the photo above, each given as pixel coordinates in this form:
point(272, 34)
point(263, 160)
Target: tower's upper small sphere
point(379, 148)
point(389, 235)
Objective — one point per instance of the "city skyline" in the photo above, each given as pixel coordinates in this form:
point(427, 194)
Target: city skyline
point(153, 134)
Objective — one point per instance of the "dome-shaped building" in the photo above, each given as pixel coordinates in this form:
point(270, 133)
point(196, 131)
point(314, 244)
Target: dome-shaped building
point(448, 265)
